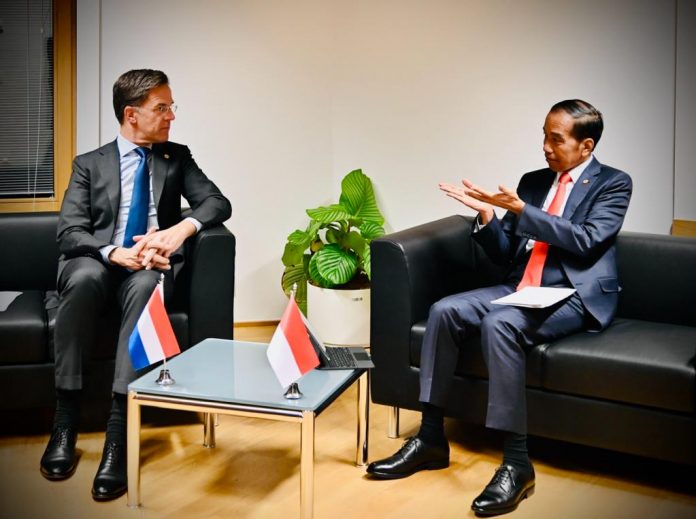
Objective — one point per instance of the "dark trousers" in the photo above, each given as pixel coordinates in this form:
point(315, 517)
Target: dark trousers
point(87, 289)
point(506, 333)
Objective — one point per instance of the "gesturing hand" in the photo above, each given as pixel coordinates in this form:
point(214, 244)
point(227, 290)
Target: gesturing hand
point(505, 198)
point(461, 194)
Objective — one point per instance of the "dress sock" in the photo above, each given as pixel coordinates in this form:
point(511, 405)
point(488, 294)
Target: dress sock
point(515, 450)
point(432, 429)
point(67, 408)
point(116, 425)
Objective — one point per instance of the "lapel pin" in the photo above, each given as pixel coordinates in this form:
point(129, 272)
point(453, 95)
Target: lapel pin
point(166, 155)
point(586, 181)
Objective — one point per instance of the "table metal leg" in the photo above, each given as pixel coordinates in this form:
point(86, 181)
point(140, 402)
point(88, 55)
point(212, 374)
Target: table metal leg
point(393, 424)
point(133, 457)
point(307, 466)
point(363, 418)
point(209, 430)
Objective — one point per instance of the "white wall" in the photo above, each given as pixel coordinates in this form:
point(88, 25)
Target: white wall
point(438, 91)
point(278, 100)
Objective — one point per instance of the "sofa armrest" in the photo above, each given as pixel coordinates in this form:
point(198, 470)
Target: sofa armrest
point(411, 270)
point(211, 256)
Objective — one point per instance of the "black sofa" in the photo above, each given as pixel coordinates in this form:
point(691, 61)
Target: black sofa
point(202, 307)
point(630, 388)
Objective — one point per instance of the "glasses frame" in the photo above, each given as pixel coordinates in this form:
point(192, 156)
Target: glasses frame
point(160, 109)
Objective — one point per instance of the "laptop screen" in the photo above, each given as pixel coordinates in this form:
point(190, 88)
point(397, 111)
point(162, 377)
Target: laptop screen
point(318, 345)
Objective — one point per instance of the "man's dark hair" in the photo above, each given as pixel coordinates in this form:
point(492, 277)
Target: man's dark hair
point(133, 87)
point(588, 120)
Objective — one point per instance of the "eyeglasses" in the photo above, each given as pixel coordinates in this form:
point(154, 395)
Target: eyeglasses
point(161, 109)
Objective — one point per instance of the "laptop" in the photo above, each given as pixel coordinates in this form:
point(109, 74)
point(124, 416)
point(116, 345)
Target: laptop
point(338, 357)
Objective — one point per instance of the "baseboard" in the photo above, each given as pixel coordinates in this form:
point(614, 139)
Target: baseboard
point(249, 324)
point(684, 228)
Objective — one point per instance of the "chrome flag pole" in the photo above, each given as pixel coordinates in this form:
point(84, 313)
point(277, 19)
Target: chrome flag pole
point(165, 378)
point(293, 392)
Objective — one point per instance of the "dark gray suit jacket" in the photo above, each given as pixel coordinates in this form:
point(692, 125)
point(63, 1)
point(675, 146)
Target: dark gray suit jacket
point(583, 240)
point(90, 207)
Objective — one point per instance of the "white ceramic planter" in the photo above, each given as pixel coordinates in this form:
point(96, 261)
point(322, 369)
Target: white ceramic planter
point(339, 316)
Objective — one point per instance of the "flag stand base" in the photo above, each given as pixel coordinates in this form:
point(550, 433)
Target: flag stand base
point(293, 392)
point(165, 379)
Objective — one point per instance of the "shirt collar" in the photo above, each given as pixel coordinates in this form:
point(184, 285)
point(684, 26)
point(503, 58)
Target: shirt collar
point(577, 170)
point(125, 146)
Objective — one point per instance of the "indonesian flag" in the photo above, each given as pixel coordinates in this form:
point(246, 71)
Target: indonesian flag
point(290, 352)
point(152, 338)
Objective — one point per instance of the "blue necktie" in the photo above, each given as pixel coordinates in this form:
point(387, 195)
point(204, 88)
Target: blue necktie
point(140, 202)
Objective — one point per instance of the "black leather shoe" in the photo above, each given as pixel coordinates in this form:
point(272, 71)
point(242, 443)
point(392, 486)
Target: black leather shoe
point(111, 480)
point(413, 456)
point(59, 460)
point(509, 486)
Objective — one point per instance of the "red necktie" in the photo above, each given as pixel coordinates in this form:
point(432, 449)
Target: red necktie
point(535, 265)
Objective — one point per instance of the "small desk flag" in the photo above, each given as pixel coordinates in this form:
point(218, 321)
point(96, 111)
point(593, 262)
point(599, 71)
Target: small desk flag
point(290, 351)
point(153, 338)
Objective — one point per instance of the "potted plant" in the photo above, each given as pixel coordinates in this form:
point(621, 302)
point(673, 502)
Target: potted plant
point(330, 259)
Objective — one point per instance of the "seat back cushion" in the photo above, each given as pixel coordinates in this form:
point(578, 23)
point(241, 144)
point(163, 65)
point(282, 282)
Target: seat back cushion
point(658, 278)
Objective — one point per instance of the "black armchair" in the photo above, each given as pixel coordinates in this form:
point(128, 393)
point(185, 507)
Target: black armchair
point(203, 307)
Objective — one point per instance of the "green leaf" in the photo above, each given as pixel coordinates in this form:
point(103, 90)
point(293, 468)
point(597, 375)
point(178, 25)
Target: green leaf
point(334, 235)
point(358, 197)
point(371, 230)
point(294, 275)
point(315, 276)
point(300, 238)
point(336, 265)
point(297, 274)
point(367, 263)
point(353, 240)
point(316, 245)
point(313, 229)
point(329, 213)
point(292, 255)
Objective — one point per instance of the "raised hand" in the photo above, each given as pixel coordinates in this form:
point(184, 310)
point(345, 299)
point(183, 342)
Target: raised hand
point(505, 198)
point(462, 195)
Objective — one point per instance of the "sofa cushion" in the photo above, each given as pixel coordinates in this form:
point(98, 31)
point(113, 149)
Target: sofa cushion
point(22, 328)
point(471, 361)
point(632, 361)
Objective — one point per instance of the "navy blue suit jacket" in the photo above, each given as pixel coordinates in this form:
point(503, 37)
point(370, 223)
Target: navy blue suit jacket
point(582, 239)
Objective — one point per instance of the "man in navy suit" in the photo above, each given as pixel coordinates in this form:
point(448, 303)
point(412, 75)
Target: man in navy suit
point(559, 231)
point(120, 227)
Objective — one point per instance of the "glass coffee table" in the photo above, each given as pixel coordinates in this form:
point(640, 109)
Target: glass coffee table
point(220, 376)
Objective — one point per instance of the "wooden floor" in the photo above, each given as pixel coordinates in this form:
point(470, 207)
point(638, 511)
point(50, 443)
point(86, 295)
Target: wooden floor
point(254, 472)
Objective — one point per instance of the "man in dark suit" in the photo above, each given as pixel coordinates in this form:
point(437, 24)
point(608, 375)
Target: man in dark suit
point(120, 227)
point(559, 231)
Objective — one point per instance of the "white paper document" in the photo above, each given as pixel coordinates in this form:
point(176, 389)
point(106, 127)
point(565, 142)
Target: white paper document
point(535, 297)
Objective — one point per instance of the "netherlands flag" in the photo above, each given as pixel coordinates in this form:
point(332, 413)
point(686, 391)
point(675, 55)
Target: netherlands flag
point(290, 351)
point(153, 338)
